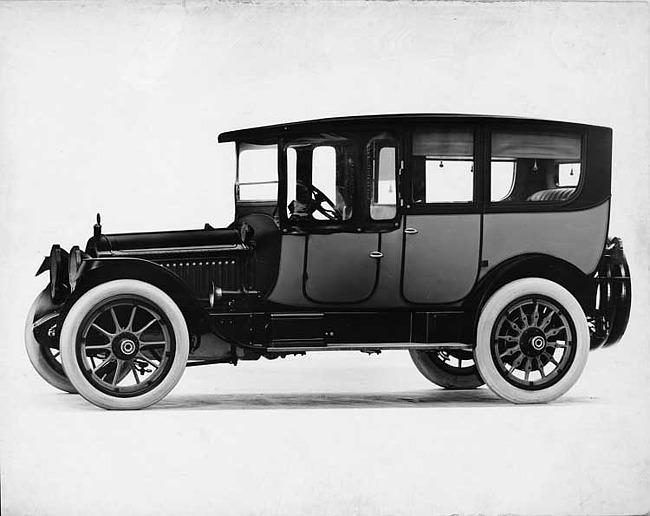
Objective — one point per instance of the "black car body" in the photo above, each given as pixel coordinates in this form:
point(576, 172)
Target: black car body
point(480, 244)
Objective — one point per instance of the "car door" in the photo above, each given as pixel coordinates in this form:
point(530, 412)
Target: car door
point(344, 266)
point(442, 227)
point(340, 196)
point(341, 267)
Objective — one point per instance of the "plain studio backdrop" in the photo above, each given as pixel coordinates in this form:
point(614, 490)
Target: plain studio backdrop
point(114, 107)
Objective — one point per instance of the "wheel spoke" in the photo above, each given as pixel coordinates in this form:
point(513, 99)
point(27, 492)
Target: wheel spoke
point(118, 328)
point(140, 355)
point(98, 346)
point(554, 331)
point(540, 368)
point(546, 320)
point(509, 338)
point(135, 372)
point(527, 368)
point(118, 371)
point(510, 351)
point(129, 326)
point(535, 315)
point(517, 362)
point(56, 354)
point(141, 330)
point(102, 330)
point(523, 316)
point(460, 362)
point(553, 361)
point(105, 362)
point(514, 325)
point(152, 344)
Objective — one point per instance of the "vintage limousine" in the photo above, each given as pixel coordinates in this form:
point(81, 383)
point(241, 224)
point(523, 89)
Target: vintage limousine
point(480, 244)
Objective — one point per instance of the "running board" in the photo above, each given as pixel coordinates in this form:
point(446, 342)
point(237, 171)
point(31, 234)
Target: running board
point(371, 346)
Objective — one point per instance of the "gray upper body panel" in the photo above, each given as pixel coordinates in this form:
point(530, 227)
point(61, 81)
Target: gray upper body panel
point(577, 237)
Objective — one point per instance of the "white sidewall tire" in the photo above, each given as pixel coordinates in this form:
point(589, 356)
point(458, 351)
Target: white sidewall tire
point(38, 360)
point(91, 299)
point(435, 374)
point(483, 354)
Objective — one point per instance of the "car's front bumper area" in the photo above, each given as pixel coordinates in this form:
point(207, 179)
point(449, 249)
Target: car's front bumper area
point(613, 288)
point(65, 269)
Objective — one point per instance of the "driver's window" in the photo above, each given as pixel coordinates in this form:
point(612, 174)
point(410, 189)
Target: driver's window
point(323, 174)
point(381, 162)
point(320, 180)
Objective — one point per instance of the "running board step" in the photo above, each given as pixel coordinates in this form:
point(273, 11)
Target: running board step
point(292, 331)
point(370, 346)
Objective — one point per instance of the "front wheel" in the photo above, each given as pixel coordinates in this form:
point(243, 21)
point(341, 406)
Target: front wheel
point(45, 359)
point(124, 345)
point(532, 341)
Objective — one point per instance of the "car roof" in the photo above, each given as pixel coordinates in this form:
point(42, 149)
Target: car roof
point(270, 132)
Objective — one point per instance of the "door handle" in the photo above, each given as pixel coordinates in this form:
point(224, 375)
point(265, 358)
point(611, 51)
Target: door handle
point(376, 254)
point(410, 231)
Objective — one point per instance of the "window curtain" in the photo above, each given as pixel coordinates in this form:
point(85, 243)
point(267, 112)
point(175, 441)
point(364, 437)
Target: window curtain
point(538, 145)
point(443, 142)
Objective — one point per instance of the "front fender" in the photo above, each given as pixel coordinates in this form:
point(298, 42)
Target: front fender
point(43, 305)
point(95, 271)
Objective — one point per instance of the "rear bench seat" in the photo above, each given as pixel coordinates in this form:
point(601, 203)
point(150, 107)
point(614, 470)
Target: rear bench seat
point(554, 194)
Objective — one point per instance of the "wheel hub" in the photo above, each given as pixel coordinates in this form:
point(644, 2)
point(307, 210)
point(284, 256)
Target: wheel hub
point(533, 342)
point(125, 346)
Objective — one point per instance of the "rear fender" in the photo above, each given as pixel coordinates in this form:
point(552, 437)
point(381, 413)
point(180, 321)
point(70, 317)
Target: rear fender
point(614, 286)
point(527, 266)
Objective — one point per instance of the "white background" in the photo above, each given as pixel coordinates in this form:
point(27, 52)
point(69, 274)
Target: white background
point(115, 108)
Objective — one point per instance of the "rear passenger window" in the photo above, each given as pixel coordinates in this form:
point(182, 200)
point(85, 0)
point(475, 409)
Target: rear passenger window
point(534, 166)
point(443, 165)
point(503, 179)
point(568, 174)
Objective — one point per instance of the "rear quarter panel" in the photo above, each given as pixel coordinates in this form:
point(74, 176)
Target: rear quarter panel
point(577, 237)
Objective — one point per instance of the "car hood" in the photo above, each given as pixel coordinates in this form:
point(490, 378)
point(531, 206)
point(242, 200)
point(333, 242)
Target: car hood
point(163, 240)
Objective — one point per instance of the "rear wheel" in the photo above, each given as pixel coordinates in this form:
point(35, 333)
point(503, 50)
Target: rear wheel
point(450, 369)
point(532, 341)
point(124, 345)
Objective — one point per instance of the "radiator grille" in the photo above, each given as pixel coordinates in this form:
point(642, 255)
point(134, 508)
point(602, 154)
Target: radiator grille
point(200, 274)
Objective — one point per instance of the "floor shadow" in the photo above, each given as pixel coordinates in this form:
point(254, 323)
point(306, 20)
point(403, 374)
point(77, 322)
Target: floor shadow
point(338, 400)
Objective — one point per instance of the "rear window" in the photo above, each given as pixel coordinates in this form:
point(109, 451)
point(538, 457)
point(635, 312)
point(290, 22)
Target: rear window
point(443, 165)
point(535, 166)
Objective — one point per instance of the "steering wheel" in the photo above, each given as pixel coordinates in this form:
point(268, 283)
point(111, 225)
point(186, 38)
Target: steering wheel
point(318, 199)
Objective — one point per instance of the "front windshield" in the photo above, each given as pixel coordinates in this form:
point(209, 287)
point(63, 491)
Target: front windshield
point(257, 172)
